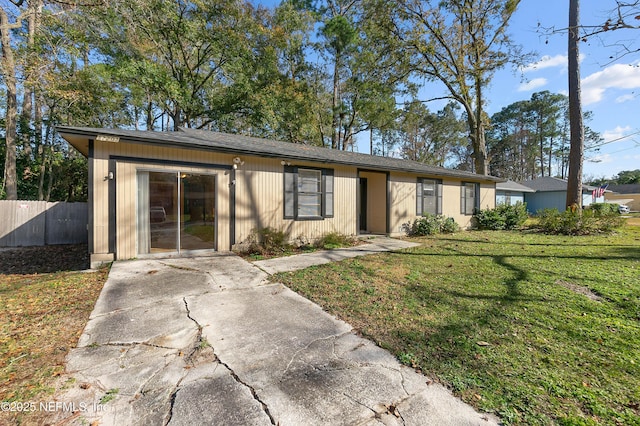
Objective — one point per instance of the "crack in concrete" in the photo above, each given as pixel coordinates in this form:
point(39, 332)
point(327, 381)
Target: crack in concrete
point(334, 337)
point(131, 344)
point(217, 359)
point(375, 413)
point(253, 392)
point(181, 268)
point(141, 389)
point(172, 402)
point(404, 422)
point(199, 335)
point(402, 378)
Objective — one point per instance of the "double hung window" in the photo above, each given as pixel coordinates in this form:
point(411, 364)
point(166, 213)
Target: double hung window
point(308, 193)
point(428, 197)
point(469, 197)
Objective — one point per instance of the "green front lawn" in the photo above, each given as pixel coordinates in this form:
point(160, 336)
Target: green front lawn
point(537, 329)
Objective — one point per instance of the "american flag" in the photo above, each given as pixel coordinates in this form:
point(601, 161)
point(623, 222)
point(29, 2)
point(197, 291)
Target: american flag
point(602, 189)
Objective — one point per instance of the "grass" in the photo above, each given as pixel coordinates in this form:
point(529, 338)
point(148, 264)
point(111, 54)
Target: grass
point(109, 396)
point(41, 319)
point(537, 329)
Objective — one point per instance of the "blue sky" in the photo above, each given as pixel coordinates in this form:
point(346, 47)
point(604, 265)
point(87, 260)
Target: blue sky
point(611, 90)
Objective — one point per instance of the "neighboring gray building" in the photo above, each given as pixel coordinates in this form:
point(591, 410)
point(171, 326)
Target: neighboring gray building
point(511, 193)
point(551, 193)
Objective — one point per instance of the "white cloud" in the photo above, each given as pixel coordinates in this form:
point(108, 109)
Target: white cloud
point(600, 158)
point(624, 98)
point(617, 133)
point(618, 76)
point(547, 62)
point(532, 84)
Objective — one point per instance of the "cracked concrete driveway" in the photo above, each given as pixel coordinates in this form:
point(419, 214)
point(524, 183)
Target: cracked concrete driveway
point(211, 341)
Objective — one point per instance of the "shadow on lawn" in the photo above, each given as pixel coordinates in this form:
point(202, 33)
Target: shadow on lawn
point(44, 259)
point(570, 242)
point(622, 253)
point(453, 344)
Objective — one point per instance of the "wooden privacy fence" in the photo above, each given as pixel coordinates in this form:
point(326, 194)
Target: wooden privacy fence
point(37, 223)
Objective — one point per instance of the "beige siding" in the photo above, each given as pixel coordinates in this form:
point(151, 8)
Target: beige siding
point(403, 200)
point(126, 190)
point(487, 196)
point(258, 186)
point(100, 202)
point(376, 202)
point(260, 198)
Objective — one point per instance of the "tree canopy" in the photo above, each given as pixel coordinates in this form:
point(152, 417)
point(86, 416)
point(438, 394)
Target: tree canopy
point(323, 72)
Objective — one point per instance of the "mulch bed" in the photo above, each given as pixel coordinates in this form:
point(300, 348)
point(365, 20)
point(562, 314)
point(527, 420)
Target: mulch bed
point(44, 259)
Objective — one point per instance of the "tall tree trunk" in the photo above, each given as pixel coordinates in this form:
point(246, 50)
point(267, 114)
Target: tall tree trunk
point(43, 163)
point(150, 119)
point(541, 136)
point(576, 151)
point(550, 154)
point(479, 146)
point(335, 122)
point(371, 141)
point(43, 168)
point(50, 181)
point(9, 74)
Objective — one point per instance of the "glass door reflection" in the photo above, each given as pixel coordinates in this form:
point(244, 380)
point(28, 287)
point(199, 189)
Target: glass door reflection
point(197, 219)
point(176, 211)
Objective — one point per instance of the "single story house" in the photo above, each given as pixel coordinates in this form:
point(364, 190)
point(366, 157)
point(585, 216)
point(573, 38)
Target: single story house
point(627, 194)
point(174, 192)
point(511, 193)
point(551, 193)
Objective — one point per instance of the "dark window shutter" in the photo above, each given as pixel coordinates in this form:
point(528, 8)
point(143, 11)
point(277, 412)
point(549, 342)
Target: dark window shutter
point(419, 195)
point(289, 192)
point(439, 197)
point(327, 192)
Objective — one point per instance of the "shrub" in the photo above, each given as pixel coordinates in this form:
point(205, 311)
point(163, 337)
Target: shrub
point(433, 224)
point(335, 240)
point(449, 226)
point(489, 219)
point(515, 215)
point(577, 222)
point(268, 241)
point(603, 209)
point(502, 217)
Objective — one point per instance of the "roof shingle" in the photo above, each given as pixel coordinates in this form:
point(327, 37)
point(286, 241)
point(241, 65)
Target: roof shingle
point(247, 145)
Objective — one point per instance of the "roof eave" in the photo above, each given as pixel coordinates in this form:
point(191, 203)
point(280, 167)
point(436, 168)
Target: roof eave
point(175, 143)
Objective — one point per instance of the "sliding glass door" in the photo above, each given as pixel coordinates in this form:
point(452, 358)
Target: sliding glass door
point(197, 230)
point(176, 212)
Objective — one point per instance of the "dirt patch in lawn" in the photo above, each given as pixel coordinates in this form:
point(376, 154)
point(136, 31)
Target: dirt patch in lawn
point(633, 221)
point(580, 290)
